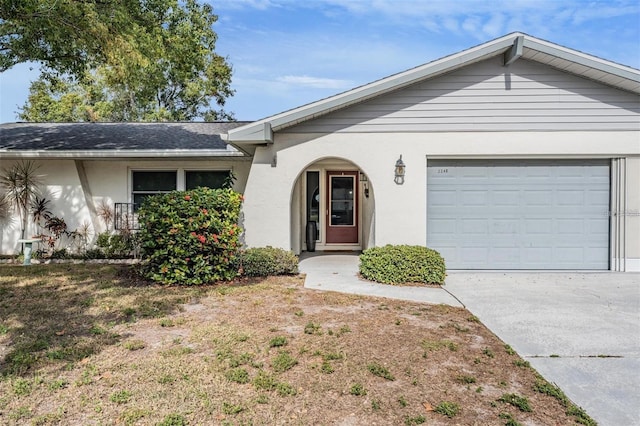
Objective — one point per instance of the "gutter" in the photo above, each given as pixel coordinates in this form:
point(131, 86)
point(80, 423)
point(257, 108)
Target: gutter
point(112, 154)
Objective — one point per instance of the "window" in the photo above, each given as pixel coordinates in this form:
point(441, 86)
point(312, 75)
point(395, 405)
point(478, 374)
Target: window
point(210, 178)
point(149, 183)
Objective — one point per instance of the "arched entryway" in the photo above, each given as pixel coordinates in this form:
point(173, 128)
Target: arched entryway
point(336, 197)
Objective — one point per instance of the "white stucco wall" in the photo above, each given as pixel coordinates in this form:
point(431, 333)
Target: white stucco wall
point(108, 180)
point(400, 210)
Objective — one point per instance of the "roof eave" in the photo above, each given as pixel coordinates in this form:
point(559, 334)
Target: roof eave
point(510, 45)
point(584, 59)
point(109, 154)
point(252, 133)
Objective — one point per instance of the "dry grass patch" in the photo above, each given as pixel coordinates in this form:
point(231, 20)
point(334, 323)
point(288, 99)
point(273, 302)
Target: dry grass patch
point(92, 345)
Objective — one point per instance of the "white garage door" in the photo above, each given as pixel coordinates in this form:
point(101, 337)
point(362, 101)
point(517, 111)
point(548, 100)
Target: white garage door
point(519, 214)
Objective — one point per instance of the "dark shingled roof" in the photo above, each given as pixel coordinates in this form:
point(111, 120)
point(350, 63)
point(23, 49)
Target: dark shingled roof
point(56, 137)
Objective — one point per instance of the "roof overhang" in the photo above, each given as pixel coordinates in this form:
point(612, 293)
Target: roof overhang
point(120, 154)
point(512, 46)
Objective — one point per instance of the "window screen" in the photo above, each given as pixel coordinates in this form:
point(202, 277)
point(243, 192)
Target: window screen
point(149, 183)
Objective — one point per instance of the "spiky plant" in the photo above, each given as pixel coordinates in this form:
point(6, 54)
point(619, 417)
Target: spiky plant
point(21, 184)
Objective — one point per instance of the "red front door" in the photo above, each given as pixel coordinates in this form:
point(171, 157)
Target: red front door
point(342, 207)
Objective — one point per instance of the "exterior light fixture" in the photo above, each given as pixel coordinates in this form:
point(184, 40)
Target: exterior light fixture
point(399, 171)
point(365, 180)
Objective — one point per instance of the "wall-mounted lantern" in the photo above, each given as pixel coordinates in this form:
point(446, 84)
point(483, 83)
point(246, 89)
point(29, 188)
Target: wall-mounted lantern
point(399, 171)
point(365, 180)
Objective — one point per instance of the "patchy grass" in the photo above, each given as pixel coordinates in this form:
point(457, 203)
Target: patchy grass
point(87, 344)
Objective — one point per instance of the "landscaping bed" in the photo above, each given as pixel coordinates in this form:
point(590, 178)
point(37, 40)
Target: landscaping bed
point(93, 344)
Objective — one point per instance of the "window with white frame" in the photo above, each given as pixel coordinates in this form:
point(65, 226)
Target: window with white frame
point(151, 182)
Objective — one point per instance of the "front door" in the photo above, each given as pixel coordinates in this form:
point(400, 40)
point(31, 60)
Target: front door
point(342, 207)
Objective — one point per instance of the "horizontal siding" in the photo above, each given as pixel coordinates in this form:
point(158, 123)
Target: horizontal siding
point(489, 97)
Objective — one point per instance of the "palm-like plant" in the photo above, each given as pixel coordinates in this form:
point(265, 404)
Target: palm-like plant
point(21, 184)
point(40, 212)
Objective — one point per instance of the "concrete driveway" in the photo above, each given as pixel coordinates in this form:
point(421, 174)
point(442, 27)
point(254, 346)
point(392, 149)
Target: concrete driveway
point(581, 331)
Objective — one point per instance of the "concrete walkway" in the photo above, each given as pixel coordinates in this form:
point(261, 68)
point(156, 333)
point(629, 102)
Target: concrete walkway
point(581, 331)
point(339, 272)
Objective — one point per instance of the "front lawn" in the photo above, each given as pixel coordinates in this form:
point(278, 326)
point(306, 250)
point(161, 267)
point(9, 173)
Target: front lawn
point(90, 344)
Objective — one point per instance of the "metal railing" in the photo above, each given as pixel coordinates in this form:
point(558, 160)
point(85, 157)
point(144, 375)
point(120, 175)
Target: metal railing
point(125, 217)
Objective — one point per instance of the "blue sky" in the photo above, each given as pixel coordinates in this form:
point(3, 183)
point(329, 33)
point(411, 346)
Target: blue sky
point(286, 53)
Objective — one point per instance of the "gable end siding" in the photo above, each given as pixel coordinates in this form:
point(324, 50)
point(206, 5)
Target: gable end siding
point(489, 97)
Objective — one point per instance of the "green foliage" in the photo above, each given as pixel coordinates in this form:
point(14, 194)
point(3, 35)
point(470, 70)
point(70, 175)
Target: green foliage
point(509, 350)
point(22, 387)
point(120, 397)
point(312, 328)
point(285, 389)
point(510, 421)
point(466, 379)
point(173, 420)
point(357, 389)
point(237, 375)
point(116, 246)
point(147, 60)
point(416, 420)
point(283, 362)
point(520, 402)
point(581, 416)
point(327, 368)
point(277, 341)
point(190, 237)
point(267, 261)
point(21, 185)
point(231, 409)
point(380, 371)
point(446, 408)
point(134, 344)
point(553, 391)
point(402, 264)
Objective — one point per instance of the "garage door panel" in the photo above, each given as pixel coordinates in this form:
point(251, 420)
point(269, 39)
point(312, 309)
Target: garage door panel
point(443, 199)
point(570, 226)
point(536, 197)
point(505, 197)
point(472, 198)
point(505, 226)
point(519, 214)
point(538, 226)
point(474, 226)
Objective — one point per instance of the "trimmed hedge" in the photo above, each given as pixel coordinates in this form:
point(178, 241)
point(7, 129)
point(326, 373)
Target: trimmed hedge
point(402, 264)
point(190, 237)
point(267, 261)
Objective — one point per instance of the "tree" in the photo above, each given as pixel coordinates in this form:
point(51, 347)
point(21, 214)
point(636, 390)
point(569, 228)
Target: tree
point(69, 35)
point(162, 67)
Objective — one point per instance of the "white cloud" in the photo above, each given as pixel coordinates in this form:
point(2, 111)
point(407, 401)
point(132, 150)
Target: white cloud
point(315, 82)
point(493, 27)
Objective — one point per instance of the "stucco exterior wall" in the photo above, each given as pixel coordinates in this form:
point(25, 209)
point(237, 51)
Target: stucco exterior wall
point(107, 180)
point(400, 210)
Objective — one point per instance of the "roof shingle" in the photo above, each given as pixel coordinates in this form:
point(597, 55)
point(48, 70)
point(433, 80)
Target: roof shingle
point(114, 136)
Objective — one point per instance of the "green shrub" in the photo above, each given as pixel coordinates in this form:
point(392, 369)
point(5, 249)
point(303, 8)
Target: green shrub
point(447, 408)
point(190, 237)
point(267, 261)
point(114, 246)
point(402, 264)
